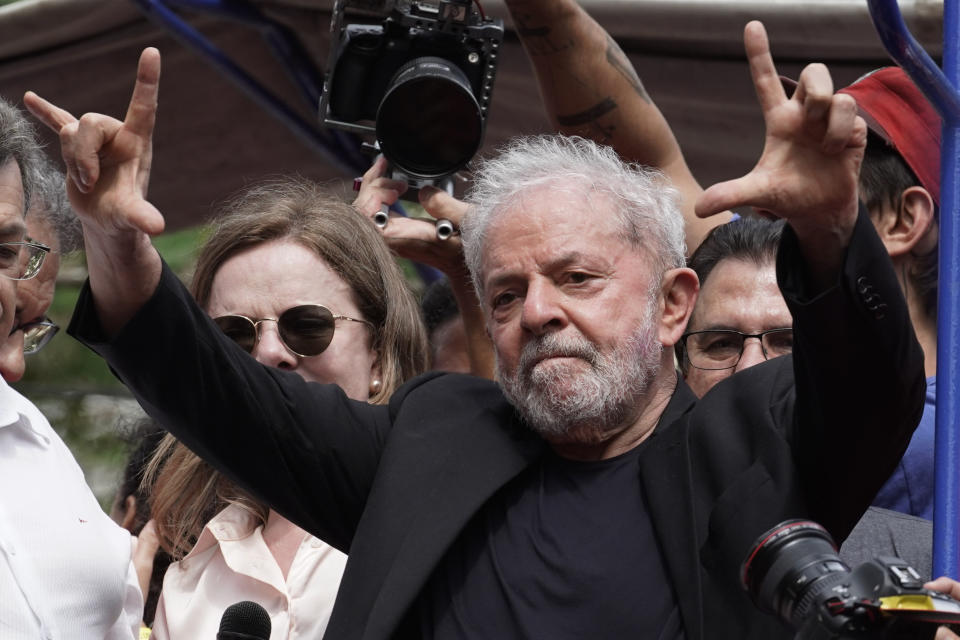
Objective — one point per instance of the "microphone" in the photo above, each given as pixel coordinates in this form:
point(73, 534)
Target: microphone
point(244, 621)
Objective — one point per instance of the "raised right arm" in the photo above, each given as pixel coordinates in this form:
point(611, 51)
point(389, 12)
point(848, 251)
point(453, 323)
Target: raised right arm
point(292, 444)
point(590, 89)
point(108, 170)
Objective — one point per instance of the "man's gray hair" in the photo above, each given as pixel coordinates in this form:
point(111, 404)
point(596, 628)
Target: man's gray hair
point(51, 205)
point(18, 141)
point(644, 203)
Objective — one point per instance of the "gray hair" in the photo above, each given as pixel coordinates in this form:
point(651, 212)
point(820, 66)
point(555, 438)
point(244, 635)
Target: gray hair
point(645, 205)
point(18, 142)
point(52, 207)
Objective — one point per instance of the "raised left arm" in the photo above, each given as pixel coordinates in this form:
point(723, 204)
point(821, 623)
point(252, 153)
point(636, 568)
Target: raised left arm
point(857, 367)
point(108, 168)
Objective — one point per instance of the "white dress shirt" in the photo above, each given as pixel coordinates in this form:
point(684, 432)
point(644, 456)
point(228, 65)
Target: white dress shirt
point(65, 567)
point(231, 562)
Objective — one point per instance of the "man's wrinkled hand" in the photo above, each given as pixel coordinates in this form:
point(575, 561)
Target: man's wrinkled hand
point(812, 153)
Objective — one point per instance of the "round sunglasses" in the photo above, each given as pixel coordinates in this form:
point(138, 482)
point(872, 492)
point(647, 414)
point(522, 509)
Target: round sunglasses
point(305, 330)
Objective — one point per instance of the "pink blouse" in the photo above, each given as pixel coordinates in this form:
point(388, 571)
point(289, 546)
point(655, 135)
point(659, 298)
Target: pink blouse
point(230, 563)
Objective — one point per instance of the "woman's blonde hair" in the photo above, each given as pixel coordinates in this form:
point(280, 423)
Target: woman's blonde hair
point(186, 492)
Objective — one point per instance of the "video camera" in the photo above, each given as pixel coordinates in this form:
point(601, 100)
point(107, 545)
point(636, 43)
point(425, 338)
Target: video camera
point(794, 572)
point(420, 81)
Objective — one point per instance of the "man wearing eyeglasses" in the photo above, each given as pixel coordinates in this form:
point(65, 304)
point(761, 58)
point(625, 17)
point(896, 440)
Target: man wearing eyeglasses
point(740, 318)
point(65, 567)
point(52, 224)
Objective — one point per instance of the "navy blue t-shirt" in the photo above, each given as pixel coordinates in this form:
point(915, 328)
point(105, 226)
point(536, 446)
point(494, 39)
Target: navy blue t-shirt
point(565, 550)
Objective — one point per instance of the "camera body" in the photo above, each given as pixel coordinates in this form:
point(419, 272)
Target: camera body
point(420, 81)
point(794, 572)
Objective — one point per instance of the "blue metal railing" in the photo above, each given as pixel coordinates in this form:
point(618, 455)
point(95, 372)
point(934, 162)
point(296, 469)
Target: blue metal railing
point(941, 88)
point(311, 134)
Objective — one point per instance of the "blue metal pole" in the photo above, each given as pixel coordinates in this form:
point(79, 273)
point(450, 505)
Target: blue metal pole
point(946, 541)
point(941, 89)
point(908, 53)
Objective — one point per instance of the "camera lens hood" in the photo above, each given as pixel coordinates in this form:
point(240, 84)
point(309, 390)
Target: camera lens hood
point(429, 123)
point(790, 566)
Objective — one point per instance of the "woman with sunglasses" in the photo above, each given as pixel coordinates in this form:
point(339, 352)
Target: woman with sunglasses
point(302, 282)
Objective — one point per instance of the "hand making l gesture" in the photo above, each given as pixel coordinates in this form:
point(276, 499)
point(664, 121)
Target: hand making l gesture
point(811, 158)
point(108, 161)
point(108, 169)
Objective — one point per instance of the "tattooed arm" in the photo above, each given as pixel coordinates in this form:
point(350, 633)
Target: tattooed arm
point(590, 89)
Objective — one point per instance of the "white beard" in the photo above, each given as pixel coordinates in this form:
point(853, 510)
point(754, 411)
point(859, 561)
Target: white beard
point(566, 400)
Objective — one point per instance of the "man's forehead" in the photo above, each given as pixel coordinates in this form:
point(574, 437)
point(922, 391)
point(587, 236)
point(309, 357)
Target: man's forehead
point(740, 288)
point(517, 253)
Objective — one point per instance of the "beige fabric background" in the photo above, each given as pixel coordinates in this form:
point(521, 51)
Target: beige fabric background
point(212, 139)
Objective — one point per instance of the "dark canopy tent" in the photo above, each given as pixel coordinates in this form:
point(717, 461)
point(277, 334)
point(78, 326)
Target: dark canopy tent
point(212, 138)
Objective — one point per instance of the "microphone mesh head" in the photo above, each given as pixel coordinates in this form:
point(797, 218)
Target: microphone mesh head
point(247, 618)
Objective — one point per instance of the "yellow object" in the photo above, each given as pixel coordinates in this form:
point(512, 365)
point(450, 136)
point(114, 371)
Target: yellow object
point(916, 602)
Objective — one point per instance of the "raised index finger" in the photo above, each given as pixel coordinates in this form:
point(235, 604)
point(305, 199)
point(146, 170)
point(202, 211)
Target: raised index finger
point(46, 112)
point(766, 80)
point(142, 112)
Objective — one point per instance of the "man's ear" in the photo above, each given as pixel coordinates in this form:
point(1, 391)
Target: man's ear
point(907, 229)
point(678, 295)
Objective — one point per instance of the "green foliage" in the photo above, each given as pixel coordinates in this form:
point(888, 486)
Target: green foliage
point(74, 387)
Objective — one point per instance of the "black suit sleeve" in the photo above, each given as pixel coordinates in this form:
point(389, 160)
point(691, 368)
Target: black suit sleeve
point(859, 378)
point(812, 435)
point(304, 448)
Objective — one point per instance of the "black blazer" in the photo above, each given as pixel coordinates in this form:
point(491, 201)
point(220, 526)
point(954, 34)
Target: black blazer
point(812, 435)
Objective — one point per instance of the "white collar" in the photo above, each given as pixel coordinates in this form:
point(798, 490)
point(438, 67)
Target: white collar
point(11, 404)
point(8, 405)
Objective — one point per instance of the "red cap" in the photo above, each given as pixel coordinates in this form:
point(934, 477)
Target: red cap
point(899, 113)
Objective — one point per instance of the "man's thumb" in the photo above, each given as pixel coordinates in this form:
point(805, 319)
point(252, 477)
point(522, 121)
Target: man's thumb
point(726, 195)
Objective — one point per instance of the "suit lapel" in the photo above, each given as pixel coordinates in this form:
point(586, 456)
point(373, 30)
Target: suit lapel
point(469, 465)
point(665, 476)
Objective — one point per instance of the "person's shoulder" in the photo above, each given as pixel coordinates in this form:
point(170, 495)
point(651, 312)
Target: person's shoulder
point(881, 532)
point(451, 393)
point(15, 406)
point(441, 382)
point(895, 520)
